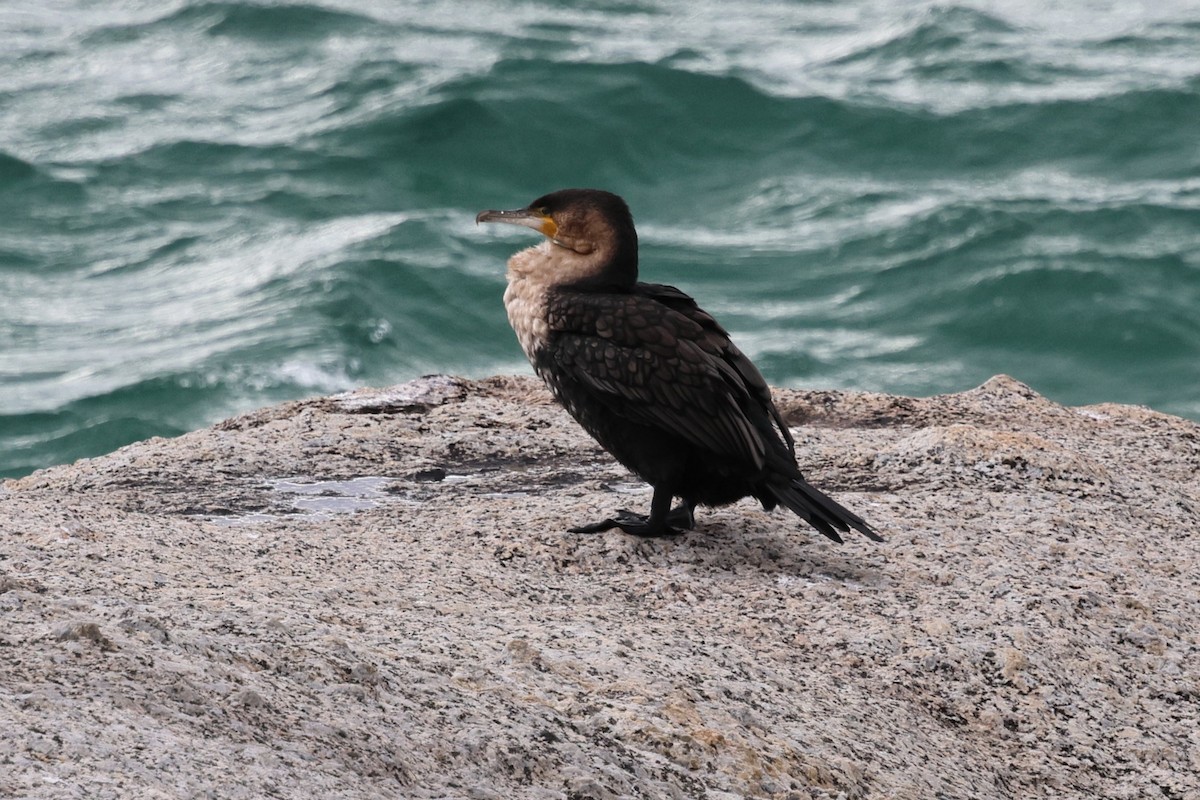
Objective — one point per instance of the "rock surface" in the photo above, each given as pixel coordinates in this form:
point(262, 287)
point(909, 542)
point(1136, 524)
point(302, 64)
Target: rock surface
point(374, 596)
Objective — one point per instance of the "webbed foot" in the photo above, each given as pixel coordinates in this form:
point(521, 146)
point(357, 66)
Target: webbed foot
point(631, 523)
point(673, 523)
point(681, 516)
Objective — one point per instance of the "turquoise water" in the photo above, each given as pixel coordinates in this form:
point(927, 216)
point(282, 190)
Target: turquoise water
point(207, 207)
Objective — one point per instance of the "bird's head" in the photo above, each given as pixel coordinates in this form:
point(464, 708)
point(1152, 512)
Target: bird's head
point(590, 235)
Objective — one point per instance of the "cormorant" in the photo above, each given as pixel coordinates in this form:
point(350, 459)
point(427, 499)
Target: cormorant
point(649, 374)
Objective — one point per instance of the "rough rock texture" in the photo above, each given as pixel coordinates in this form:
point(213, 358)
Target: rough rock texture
point(374, 596)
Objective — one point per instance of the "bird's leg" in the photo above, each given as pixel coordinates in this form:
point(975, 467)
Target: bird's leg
point(683, 516)
point(661, 522)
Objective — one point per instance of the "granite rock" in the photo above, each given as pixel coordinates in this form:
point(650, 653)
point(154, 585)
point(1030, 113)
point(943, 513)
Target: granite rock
point(374, 595)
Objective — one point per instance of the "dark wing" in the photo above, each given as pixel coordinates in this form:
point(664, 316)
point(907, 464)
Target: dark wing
point(821, 511)
point(656, 359)
point(751, 377)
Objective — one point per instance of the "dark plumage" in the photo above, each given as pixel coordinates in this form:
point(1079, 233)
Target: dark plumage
point(648, 373)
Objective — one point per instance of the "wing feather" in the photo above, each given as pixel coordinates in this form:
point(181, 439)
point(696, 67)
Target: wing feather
point(736, 360)
point(655, 358)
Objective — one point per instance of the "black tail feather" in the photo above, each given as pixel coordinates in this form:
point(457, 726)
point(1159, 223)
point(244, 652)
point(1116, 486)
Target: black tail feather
point(820, 510)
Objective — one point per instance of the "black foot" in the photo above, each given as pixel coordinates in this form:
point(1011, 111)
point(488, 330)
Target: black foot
point(635, 525)
point(681, 516)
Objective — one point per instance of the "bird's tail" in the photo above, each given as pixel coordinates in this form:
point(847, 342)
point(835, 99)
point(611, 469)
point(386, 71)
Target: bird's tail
point(819, 509)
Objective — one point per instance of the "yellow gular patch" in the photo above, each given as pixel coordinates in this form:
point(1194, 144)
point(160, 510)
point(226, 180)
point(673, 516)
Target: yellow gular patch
point(548, 227)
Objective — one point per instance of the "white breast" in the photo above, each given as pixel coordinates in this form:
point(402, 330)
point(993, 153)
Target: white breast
point(525, 300)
